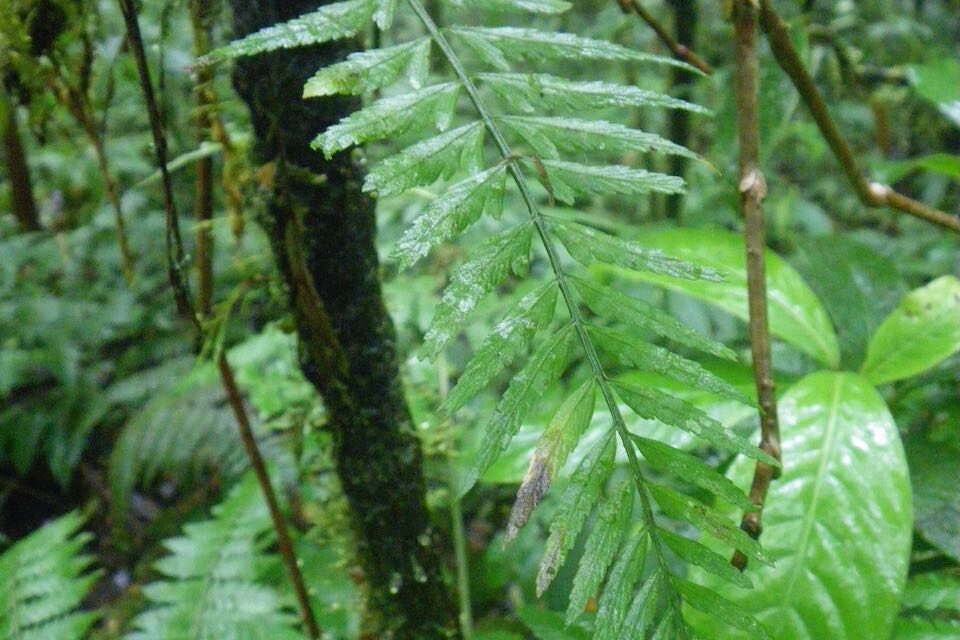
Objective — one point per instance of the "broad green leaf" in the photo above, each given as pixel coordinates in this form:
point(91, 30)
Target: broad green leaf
point(610, 304)
point(534, 46)
point(922, 331)
point(578, 501)
point(692, 469)
point(544, 367)
point(629, 351)
point(837, 522)
point(391, 116)
point(330, 22)
point(615, 600)
point(697, 554)
point(796, 315)
point(558, 440)
point(613, 522)
point(521, 6)
point(934, 469)
point(938, 81)
point(571, 179)
point(857, 285)
point(924, 629)
point(366, 71)
point(486, 268)
point(655, 405)
point(587, 245)
point(721, 608)
point(426, 162)
point(931, 591)
point(538, 92)
point(718, 525)
point(944, 164)
point(505, 342)
point(548, 137)
point(452, 212)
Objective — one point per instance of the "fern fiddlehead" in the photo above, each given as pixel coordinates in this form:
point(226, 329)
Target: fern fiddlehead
point(630, 604)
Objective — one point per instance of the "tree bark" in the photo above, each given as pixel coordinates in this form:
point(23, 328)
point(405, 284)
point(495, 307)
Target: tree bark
point(22, 203)
point(322, 230)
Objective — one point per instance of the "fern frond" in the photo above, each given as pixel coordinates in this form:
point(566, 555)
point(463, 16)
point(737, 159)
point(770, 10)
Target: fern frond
point(487, 267)
point(540, 92)
point(43, 579)
point(331, 22)
point(549, 7)
point(544, 113)
point(184, 430)
point(391, 116)
point(213, 583)
point(367, 71)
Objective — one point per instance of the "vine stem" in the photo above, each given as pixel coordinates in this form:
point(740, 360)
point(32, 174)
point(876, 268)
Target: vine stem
point(680, 51)
point(871, 194)
point(566, 291)
point(752, 190)
point(175, 260)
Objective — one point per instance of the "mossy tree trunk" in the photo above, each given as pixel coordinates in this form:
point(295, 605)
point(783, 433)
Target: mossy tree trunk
point(322, 231)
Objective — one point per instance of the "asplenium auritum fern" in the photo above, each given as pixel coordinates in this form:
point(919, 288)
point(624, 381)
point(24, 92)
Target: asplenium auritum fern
point(497, 118)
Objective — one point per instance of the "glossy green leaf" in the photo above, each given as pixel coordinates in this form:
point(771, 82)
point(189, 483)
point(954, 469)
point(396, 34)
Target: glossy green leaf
point(509, 337)
point(796, 315)
point(922, 331)
point(571, 179)
point(390, 117)
point(857, 285)
point(366, 71)
point(487, 267)
point(587, 245)
point(610, 304)
point(558, 440)
point(459, 207)
point(938, 81)
point(944, 164)
point(629, 351)
point(682, 507)
point(838, 521)
point(549, 136)
point(613, 522)
point(426, 162)
point(577, 502)
point(544, 367)
point(934, 470)
point(652, 404)
point(521, 6)
point(333, 21)
point(615, 601)
point(692, 469)
point(538, 92)
point(519, 44)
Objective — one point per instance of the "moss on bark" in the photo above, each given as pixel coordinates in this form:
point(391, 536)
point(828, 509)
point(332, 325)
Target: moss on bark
point(322, 231)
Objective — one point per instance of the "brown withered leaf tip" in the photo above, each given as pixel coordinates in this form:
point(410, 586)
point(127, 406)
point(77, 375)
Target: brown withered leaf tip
point(535, 483)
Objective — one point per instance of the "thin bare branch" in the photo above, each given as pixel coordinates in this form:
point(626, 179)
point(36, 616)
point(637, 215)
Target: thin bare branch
point(870, 194)
point(175, 258)
point(681, 51)
point(753, 188)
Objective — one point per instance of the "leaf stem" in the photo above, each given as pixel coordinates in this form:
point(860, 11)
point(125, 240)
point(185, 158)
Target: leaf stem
point(566, 290)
